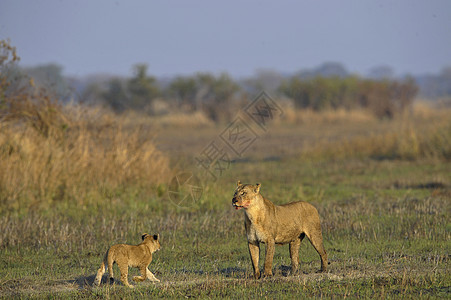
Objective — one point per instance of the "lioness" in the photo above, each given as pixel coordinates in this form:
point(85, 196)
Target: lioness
point(277, 224)
point(129, 255)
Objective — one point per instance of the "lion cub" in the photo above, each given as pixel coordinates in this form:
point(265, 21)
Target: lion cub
point(129, 255)
point(277, 224)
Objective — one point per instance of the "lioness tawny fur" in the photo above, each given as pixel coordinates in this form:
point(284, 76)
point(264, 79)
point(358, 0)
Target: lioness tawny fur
point(277, 224)
point(130, 255)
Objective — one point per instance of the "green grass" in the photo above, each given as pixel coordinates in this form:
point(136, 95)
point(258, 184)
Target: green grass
point(386, 228)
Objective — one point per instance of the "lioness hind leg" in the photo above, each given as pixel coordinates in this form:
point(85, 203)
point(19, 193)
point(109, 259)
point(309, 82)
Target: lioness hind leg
point(317, 243)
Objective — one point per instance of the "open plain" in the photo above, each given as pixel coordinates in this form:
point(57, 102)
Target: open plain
point(382, 189)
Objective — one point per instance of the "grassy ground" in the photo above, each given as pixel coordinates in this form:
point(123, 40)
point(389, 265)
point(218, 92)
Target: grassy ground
point(386, 223)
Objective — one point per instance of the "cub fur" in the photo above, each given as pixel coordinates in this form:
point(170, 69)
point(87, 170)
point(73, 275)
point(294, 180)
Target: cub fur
point(277, 224)
point(130, 255)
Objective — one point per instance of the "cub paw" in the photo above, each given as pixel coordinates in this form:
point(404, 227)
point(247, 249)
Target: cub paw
point(138, 278)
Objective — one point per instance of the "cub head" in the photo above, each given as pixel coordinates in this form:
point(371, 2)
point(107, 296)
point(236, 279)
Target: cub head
point(245, 195)
point(153, 240)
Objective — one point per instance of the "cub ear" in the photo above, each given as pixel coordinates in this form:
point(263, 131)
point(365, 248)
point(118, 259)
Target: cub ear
point(144, 236)
point(257, 187)
point(156, 237)
point(238, 184)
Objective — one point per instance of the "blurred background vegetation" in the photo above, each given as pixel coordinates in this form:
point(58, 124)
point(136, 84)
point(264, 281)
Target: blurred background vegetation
point(218, 96)
point(77, 140)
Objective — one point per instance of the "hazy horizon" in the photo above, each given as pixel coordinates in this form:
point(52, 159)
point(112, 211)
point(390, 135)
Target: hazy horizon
point(172, 38)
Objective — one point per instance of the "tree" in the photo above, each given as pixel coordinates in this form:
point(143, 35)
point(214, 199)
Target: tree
point(384, 98)
point(136, 93)
point(328, 69)
point(403, 93)
point(215, 95)
point(142, 89)
point(116, 95)
point(50, 79)
point(264, 80)
point(8, 60)
point(184, 89)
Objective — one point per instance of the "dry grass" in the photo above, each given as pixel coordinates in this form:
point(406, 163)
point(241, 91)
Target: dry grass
point(405, 140)
point(309, 116)
point(193, 120)
point(53, 153)
point(424, 133)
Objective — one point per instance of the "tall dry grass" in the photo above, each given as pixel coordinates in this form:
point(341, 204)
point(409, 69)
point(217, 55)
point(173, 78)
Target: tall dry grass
point(309, 116)
point(424, 133)
point(50, 152)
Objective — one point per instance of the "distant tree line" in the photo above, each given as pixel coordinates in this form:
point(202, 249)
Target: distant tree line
point(219, 97)
point(214, 95)
point(384, 98)
point(435, 86)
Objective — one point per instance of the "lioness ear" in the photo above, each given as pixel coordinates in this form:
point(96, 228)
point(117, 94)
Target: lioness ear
point(238, 183)
point(156, 237)
point(144, 236)
point(257, 187)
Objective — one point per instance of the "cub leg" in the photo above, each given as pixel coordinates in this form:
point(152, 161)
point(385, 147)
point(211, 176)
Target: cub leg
point(110, 263)
point(124, 274)
point(151, 277)
point(317, 243)
point(269, 255)
point(143, 276)
point(254, 251)
point(294, 254)
point(100, 273)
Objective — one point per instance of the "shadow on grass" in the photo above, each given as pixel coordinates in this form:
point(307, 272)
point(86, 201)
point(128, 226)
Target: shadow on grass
point(233, 272)
point(230, 272)
point(420, 186)
point(242, 273)
point(284, 271)
point(83, 282)
point(86, 282)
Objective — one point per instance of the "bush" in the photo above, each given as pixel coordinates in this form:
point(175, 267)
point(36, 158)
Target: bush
point(383, 98)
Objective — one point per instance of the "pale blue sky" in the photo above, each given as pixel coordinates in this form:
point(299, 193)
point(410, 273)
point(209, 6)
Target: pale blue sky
point(238, 37)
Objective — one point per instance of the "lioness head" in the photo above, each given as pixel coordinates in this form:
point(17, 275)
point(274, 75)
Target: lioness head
point(245, 195)
point(153, 240)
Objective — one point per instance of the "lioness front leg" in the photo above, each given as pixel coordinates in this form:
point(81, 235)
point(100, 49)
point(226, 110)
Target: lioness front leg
point(254, 251)
point(270, 247)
